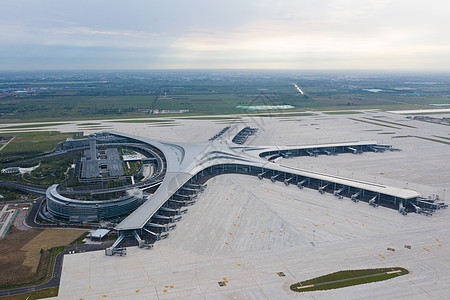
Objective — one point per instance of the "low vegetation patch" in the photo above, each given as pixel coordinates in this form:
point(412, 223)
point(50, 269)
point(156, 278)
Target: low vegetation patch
point(34, 125)
point(442, 137)
point(430, 139)
point(89, 124)
point(349, 112)
point(144, 121)
point(9, 194)
point(27, 145)
point(347, 278)
point(389, 122)
point(373, 123)
point(24, 260)
point(40, 294)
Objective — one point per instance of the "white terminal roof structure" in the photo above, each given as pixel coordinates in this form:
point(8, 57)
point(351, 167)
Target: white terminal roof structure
point(185, 160)
point(99, 233)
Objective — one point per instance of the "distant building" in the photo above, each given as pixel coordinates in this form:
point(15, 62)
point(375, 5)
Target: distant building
point(93, 147)
point(11, 170)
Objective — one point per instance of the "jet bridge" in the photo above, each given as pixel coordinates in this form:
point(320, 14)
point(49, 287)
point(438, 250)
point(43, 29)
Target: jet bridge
point(354, 197)
point(301, 183)
point(322, 188)
point(274, 177)
point(261, 175)
point(287, 181)
point(337, 193)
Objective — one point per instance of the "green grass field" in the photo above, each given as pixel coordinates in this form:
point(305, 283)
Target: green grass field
point(347, 278)
point(41, 294)
point(30, 144)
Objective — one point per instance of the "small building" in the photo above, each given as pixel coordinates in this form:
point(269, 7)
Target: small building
point(11, 170)
point(99, 234)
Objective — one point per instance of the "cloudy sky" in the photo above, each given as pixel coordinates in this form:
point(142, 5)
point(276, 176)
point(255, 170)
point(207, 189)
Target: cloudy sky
point(280, 34)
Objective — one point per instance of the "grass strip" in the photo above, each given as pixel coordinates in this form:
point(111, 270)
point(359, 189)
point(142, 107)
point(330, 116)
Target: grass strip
point(430, 139)
point(39, 294)
point(393, 123)
point(209, 118)
point(442, 137)
point(88, 124)
point(347, 278)
point(373, 123)
point(143, 121)
point(350, 112)
point(33, 125)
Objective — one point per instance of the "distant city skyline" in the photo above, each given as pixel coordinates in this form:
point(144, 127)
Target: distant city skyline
point(200, 34)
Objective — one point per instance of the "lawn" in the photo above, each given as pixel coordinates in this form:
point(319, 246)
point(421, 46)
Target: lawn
point(27, 145)
point(40, 294)
point(347, 278)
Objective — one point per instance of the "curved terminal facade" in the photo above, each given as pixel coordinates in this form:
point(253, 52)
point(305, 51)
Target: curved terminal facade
point(79, 210)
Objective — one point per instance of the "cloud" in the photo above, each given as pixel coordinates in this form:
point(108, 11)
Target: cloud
point(201, 33)
point(91, 31)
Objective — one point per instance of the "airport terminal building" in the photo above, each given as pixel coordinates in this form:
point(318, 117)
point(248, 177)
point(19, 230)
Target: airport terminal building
point(91, 211)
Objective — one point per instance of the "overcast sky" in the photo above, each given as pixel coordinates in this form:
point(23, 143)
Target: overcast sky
point(276, 34)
